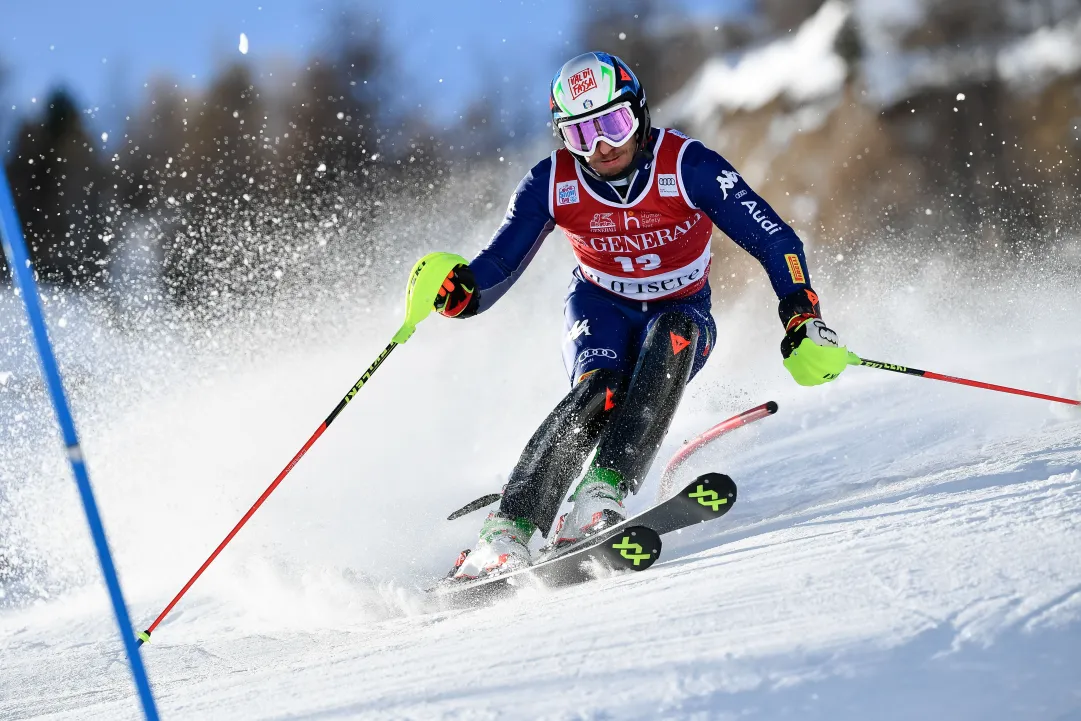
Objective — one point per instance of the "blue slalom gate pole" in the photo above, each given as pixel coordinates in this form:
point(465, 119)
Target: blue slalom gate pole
point(15, 249)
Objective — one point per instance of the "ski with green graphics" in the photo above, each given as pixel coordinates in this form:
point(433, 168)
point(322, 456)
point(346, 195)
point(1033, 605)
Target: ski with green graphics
point(633, 545)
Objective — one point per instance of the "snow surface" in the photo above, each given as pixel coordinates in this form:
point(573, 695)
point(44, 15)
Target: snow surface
point(901, 548)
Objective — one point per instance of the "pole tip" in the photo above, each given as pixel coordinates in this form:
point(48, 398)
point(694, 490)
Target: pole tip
point(144, 637)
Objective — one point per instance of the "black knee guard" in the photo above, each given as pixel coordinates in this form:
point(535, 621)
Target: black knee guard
point(555, 454)
point(637, 427)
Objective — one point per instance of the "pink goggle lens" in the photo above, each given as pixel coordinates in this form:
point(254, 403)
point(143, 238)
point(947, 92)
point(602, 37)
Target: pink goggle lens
point(615, 126)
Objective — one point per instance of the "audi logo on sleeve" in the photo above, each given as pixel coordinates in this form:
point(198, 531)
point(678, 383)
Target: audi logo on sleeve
point(666, 257)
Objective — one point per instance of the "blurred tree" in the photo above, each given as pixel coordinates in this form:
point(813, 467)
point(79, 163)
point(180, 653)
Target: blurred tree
point(969, 22)
point(223, 141)
point(478, 129)
point(620, 27)
point(57, 182)
point(348, 95)
point(662, 46)
point(156, 143)
point(786, 15)
point(158, 177)
point(239, 183)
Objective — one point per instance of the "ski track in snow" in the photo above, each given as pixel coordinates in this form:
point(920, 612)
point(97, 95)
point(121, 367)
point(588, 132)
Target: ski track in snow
point(952, 594)
point(901, 549)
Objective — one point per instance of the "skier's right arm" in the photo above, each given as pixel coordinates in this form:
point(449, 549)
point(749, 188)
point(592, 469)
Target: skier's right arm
point(495, 269)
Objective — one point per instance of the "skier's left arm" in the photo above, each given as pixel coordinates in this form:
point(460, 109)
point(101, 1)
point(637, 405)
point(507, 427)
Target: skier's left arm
point(812, 352)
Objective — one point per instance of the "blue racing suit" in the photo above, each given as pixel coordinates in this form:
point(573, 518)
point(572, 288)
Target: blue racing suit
point(603, 330)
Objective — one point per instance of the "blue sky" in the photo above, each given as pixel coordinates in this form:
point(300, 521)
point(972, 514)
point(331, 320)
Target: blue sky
point(105, 50)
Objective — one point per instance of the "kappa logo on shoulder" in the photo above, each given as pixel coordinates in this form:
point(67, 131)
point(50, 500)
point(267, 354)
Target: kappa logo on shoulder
point(603, 223)
point(727, 180)
point(567, 192)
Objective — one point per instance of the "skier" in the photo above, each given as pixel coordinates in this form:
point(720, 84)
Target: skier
point(638, 205)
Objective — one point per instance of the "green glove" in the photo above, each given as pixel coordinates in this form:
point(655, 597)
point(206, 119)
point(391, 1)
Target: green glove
point(813, 354)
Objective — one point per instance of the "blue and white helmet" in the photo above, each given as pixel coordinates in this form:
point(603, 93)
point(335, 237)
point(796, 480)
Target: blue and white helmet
point(592, 82)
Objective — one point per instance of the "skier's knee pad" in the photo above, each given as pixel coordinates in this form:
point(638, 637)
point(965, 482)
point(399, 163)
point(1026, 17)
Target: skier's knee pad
point(636, 430)
point(669, 345)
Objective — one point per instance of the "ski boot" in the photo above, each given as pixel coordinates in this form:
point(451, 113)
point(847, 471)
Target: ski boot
point(598, 504)
point(503, 546)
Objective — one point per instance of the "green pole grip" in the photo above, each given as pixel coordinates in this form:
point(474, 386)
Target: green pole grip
point(425, 280)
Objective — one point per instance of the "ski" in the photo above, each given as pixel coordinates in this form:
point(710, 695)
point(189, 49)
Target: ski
point(630, 548)
point(633, 545)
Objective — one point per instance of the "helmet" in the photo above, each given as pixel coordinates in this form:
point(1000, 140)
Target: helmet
point(591, 83)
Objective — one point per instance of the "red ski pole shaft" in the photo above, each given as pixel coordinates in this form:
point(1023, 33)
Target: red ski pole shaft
point(144, 637)
point(718, 430)
point(960, 381)
point(424, 282)
point(697, 443)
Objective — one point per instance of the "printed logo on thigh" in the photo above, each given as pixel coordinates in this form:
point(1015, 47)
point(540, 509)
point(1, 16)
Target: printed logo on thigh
point(580, 328)
point(589, 353)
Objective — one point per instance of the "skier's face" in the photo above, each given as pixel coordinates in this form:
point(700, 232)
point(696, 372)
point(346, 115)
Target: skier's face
point(609, 161)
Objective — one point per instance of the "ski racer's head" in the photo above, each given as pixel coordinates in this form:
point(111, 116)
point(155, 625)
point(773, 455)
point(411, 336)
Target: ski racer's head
point(599, 111)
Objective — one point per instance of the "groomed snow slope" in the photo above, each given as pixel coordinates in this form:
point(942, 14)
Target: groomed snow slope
point(901, 549)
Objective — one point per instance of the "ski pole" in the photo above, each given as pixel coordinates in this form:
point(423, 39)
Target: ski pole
point(424, 282)
point(695, 444)
point(857, 361)
point(737, 421)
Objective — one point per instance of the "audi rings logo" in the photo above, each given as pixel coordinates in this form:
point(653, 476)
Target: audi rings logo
point(597, 353)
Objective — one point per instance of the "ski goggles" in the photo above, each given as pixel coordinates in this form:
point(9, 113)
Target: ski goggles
point(615, 125)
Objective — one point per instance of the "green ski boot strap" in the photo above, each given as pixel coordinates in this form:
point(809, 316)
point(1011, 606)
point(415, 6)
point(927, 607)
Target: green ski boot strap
point(601, 475)
point(495, 525)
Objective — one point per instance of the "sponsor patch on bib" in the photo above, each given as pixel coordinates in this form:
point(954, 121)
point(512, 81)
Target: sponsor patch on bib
point(567, 192)
point(666, 184)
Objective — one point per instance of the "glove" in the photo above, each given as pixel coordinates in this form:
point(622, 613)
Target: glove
point(457, 296)
point(813, 354)
point(811, 350)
